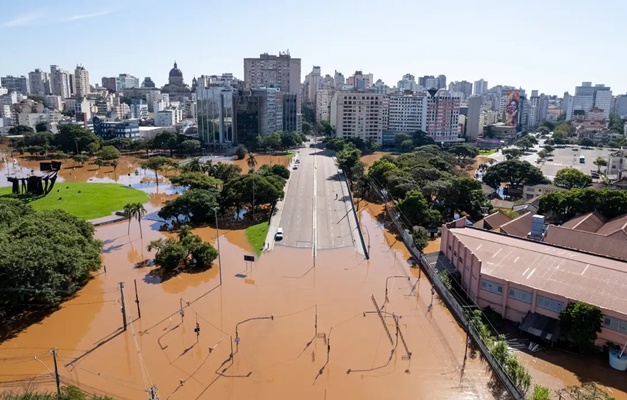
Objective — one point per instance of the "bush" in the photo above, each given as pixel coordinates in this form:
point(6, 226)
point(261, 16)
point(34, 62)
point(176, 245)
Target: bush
point(241, 152)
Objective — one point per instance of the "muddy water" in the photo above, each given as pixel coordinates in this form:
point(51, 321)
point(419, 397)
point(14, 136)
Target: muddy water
point(280, 357)
point(263, 159)
point(371, 158)
point(127, 173)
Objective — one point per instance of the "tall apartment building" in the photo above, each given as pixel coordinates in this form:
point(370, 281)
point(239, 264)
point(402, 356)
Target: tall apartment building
point(407, 83)
point(481, 87)
point(603, 99)
point(338, 80)
point(358, 114)
point(407, 112)
point(360, 81)
point(443, 116)
point(538, 108)
point(267, 71)
point(60, 82)
point(109, 83)
point(473, 118)
point(39, 82)
point(15, 83)
point(126, 81)
point(323, 104)
point(462, 87)
point(312, 84)
point(292, 118)
point(81, 81)
point(431, 82)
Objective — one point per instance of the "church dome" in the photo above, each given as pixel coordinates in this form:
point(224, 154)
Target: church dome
point(175, 72)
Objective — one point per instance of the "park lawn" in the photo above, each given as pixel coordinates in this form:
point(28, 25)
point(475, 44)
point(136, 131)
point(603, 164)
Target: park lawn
point(94, 200)
point(256, 235)
point(487, 152)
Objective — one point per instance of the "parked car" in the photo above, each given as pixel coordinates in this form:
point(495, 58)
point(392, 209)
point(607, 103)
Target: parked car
point(278, 236)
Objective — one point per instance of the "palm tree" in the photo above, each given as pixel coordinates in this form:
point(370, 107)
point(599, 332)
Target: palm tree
point(128, 211)
point(137, 211)
point(114, 164)
point(252, 163)
point(195, 165)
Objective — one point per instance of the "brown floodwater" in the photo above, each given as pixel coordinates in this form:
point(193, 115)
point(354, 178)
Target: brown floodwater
point(263, 159)
point(301, 327)
point(300, 311)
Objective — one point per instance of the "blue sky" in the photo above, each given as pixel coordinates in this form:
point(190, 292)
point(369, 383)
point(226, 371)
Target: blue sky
point(546, 45)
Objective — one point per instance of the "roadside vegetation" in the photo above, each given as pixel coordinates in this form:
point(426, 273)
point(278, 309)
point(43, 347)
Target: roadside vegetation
point(67, 393)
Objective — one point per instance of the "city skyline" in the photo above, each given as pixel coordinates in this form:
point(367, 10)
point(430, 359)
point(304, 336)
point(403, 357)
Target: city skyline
point(534, 58)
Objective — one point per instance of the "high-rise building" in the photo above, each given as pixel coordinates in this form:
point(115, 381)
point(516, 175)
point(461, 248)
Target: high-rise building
point(407, 83)
point(15, 83)
point(323, 104)
point(39, 82)
point(81, 81)
point(481, 87)
point(126, 81)
point(109, 83)
point(538, 108)
point(270, 71)
point(473, 118)
point(338, 80)
point(148, 83)
point(215, 114)
point(358, 114)
point(462, 87)
point(620, 105)
point(407, 112)
point(360, 81)
point(587, 97)
point(292, 118)
point(312, 84)
point(441, 81)
point(443, 116)
point(60, 82)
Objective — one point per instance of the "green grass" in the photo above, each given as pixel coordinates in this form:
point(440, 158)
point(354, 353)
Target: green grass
point(256, 235)
point(94, 200)
point(486, 152)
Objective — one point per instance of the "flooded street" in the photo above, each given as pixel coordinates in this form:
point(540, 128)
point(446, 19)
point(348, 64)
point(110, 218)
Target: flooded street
point(297, 331)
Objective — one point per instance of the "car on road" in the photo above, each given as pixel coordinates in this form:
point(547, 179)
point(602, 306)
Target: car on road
point(295, 167)
point(278, 236)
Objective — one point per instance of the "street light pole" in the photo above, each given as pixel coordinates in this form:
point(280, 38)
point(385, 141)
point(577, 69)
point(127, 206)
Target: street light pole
point(215, 212)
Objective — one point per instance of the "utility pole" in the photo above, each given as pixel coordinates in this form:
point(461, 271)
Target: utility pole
point(56, 372)
point(123, 305)
point(139, 312)
point(215, 211)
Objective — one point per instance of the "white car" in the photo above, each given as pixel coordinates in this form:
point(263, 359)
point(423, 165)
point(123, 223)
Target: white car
point(278, 236)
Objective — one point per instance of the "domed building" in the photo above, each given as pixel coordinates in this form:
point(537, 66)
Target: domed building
point(176, 87)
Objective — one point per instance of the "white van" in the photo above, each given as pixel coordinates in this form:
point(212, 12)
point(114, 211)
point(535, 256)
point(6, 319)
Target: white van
point(278, 236)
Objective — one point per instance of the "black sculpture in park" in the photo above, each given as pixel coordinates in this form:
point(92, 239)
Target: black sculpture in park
point(36, 185)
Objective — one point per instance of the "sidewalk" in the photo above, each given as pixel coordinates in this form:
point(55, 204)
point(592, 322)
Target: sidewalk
point(275, 220)
point(350, 213)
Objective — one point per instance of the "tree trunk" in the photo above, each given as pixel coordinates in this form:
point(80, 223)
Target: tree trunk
point(129, 225)
point(139, 221)
point(157, 178)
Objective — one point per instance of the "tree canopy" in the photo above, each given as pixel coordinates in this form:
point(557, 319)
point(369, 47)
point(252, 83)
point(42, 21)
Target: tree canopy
point(188, 252)
point(580, 322)
point(196, 206)
point(45, 256)
point(108, 153)
point(569, 178)
point(74, 137)
point(196, 180)
point(166, 140)
point(515, 172)
point(565, 204)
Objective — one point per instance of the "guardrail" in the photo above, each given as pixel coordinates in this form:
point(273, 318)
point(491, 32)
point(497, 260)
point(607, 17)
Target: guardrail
point(361, 235)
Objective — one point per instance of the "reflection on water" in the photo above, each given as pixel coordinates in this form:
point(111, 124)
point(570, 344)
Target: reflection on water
point(303, 330)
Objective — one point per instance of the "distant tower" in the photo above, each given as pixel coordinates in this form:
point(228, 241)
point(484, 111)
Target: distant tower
point(176, 76)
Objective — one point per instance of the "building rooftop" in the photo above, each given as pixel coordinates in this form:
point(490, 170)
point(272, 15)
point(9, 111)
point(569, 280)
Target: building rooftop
point(520, 226)
point(496, 220)
point(571, 274)
point(590, 222)
point(589, 242)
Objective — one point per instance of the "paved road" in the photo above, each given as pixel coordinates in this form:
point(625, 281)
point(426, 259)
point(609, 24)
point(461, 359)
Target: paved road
point(316, 208)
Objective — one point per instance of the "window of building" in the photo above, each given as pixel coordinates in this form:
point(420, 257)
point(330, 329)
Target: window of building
point(491, 286)
point(549, 304)
point(520, 295)
point(615, 324)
